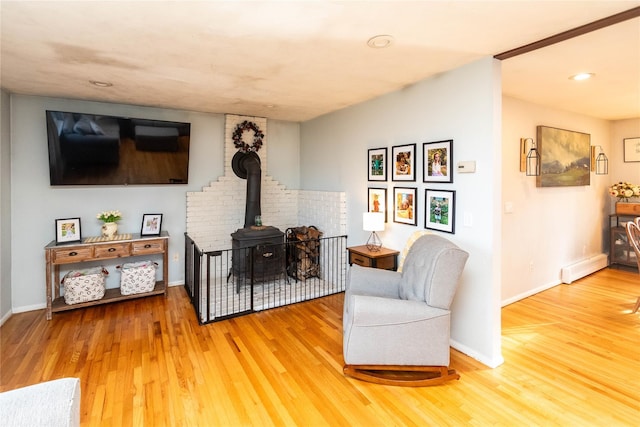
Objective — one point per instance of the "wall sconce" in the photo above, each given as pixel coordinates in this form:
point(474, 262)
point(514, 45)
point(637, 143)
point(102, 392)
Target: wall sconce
point(373, 221)
point(529, 157)
point(599, 163)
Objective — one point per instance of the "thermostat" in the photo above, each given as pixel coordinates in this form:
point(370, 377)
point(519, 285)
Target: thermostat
point(467, 167)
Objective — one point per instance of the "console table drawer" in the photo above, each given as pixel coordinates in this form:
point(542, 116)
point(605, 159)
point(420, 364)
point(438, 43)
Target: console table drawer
point(114, 250)
point(71, 255)
point(147, 247)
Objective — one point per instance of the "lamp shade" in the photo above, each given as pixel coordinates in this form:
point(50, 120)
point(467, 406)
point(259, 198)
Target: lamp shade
point(373, 221)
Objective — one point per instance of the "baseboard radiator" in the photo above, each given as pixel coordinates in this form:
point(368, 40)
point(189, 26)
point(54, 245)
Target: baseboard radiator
point(583, 268)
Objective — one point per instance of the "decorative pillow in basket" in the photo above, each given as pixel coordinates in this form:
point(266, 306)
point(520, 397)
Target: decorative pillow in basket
point(137, 277)
point(84, 285)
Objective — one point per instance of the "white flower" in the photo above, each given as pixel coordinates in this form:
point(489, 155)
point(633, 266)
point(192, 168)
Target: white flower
point(109, 216)
point(624, 191)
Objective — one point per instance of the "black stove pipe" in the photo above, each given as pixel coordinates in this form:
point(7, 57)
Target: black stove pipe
point(247, 166)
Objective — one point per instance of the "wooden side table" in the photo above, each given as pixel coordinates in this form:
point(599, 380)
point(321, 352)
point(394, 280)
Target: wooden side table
point(386, 259)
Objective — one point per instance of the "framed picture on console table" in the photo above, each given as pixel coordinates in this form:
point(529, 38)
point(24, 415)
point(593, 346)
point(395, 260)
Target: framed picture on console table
point(68, 230)
point(440, 210)
point(151, 224)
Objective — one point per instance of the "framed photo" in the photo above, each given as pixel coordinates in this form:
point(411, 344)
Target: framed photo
point(151, 224)
point(404, 205)
point(377, 201)
point(440, 210)
point(377, 164)
point(631, 150)
point(563, 155)
point(437, 158)
point(404, 162)
point(68, 230)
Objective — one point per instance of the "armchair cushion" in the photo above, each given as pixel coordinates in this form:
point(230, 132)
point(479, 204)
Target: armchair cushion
point(53, 404)
point(432, 270)
point(383, 331)
point(373, 281)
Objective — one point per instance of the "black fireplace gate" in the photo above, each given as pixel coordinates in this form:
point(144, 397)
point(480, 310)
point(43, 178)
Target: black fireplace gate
point(221, 289)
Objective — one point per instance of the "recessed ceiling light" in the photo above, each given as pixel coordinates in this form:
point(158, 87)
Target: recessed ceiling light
point(582, 76)
point(100, 84)
point(380, 41)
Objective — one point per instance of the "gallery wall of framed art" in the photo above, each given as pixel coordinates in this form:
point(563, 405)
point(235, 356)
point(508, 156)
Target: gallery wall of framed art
point(437, 166)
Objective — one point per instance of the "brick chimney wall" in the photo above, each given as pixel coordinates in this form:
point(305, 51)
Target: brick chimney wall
point(218, 210)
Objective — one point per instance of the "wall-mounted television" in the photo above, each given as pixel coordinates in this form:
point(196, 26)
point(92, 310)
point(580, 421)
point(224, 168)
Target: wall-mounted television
point(92, 149)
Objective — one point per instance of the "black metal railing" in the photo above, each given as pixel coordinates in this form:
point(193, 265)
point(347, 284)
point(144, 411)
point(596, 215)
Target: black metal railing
point(220, 289)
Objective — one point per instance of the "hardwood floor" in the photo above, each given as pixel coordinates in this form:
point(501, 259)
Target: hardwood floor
point(571, 359)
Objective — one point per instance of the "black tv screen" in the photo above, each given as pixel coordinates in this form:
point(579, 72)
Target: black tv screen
point(90, 149)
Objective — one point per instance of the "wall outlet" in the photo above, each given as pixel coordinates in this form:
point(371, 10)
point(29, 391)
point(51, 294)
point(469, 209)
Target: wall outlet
point(176, 256)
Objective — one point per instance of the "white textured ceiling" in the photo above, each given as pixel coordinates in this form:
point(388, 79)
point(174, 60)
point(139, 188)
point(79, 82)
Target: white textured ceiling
point(298, 60)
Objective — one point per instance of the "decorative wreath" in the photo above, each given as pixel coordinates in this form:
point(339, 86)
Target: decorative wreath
point(257, 138)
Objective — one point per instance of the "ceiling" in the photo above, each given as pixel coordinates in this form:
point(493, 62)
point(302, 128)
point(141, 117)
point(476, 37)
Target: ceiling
point(298, 60)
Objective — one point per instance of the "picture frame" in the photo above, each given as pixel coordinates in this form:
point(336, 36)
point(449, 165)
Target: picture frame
point(437, 160)
point(404, 162)
point(631, 150)
point(404, 205)
point(440, 210)
point(68, 230)
point(377, 164)
point(563, 156)
point(151, 225)
point(377, 201)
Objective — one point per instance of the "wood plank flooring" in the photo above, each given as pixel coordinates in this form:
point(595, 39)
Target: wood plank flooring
point(572, 358)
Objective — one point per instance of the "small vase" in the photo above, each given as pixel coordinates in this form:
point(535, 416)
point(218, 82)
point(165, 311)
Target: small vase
point(109, 229)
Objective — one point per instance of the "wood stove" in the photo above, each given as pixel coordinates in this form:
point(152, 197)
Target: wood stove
point(258, 251)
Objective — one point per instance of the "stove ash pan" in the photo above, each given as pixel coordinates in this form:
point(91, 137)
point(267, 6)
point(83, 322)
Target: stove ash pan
point(266, 245)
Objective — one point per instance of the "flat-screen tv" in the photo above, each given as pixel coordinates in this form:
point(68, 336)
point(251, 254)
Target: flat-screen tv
point(92, 149)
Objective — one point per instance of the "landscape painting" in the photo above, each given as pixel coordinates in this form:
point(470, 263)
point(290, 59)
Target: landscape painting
point(565, 157)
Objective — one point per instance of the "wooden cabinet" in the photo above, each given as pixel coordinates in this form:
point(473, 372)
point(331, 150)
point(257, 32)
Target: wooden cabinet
point(621, 251)
point(57, 255)
point(386, 259)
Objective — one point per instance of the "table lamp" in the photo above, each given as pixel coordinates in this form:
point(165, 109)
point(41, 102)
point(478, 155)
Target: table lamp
point(373, 221)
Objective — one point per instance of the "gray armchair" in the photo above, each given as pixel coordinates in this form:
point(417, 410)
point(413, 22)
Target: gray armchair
point(396, 325)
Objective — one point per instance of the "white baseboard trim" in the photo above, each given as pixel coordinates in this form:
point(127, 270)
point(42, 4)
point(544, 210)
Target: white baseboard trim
point(25, 308)
point(488, 361)
point(529, 293)
point(5, 317)
point(33, 307)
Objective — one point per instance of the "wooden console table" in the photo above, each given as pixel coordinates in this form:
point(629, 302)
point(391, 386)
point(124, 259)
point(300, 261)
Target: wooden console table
point(76, 253)
point(386, 259)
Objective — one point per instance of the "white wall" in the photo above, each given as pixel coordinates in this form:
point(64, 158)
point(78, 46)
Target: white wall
point(618, 169)
point(550, 227)
point(5, 207)
point(35, 204)
point(463, 105)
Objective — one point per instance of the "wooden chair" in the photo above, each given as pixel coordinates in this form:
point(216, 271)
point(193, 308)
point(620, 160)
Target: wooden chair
point(633, 233)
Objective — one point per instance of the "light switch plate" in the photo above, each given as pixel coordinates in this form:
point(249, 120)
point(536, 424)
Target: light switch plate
point(468, 166)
